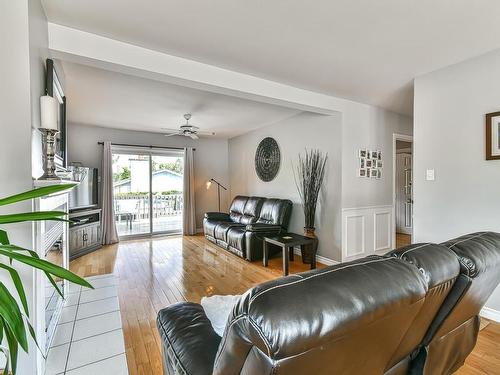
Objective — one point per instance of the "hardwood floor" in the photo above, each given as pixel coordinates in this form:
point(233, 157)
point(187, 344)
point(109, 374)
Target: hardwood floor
point(154, 273)
point(402, 240)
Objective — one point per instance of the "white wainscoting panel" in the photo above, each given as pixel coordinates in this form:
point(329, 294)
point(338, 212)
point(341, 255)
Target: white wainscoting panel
point(366, 231)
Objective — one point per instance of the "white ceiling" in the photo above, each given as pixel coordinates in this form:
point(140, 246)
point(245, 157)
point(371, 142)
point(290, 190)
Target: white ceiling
point(117, 100)
point(364, 50)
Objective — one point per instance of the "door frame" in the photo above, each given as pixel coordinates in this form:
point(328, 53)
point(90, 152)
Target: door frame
point(406, 138)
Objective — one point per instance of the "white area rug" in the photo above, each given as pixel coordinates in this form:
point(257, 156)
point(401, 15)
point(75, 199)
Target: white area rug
point(89, 335)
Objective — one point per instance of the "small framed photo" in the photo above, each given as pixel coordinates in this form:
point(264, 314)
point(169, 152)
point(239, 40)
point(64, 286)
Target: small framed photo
point(379, 164)
point(379, 155)
point(361, 172)
point(362, 163)
point(493, 136)
point(368, 154)
point(369, 163)
point(374, 155)
point(379, 174)
point(374, 173)
point(362, 153)
point(368, 172)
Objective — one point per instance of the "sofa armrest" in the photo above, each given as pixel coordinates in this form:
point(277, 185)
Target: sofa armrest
point(189, 342)
point(222, 216)
point(263, 228)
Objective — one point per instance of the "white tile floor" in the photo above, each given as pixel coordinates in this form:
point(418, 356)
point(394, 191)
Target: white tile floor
point(89, 336)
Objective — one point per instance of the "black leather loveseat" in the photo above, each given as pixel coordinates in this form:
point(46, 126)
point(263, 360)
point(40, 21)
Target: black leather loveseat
point(249, 219)
point(413, 311)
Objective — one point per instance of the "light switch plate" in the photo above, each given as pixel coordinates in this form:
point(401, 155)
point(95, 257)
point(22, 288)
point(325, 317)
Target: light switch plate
point(429, 175)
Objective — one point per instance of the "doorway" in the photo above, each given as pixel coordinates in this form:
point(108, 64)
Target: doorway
point(403, 189)
point(147, 191)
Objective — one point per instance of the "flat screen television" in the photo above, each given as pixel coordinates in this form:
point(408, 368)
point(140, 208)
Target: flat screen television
point(85, 194)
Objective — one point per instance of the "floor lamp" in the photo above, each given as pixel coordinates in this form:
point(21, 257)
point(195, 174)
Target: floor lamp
point(219, 185)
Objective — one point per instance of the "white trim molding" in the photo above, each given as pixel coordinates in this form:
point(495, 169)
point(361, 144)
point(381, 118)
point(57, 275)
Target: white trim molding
point(490, 314)
point(397, 137)
point(367, 231)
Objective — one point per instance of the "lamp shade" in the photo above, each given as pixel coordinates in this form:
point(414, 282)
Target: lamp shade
point(208, 184)
point(48, 112)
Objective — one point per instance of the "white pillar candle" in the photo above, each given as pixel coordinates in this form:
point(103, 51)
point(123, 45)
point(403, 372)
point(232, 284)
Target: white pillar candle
point(48, 112)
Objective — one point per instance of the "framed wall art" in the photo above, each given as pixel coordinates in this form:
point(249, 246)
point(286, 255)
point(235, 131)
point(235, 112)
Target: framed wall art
point(493, 136)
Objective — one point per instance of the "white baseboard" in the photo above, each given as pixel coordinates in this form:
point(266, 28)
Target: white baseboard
point(319, 258)
point(490, 314)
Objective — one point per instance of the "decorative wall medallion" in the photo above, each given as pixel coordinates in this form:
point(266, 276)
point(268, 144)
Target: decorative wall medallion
point(267, 159)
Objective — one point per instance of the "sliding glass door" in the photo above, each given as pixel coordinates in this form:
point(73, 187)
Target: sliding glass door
point(147, 190)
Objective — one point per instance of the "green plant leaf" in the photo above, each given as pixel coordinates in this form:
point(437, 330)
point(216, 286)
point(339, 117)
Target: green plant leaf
point(13, 348)
point(13, 319)
point(33, 216)
point(35, 193)
point(18, 285)
point(44, 266)
point(4, 237)
point(34, 255)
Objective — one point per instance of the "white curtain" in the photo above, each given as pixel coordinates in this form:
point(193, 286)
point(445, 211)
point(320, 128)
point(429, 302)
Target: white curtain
point(108, 225)
point(189, 212)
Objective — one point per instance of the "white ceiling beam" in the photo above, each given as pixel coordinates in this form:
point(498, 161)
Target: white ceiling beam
point(91, 49)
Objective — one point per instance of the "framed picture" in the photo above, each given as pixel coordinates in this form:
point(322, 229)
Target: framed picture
point(374, 173)
point(374, 155)
point(493, 136)
point(54, 88)
point(379, 155)
point(361, 172)
point(362, 163)
point(368, 172)
point(369, 163)
point(379, 164)
point(362, 153)
point(379, 173)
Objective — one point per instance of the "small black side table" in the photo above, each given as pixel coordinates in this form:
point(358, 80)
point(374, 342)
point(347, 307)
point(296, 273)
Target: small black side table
point(287, 241)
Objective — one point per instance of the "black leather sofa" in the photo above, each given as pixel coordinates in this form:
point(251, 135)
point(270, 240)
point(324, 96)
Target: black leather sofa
point(413, 311)
point(249, 219)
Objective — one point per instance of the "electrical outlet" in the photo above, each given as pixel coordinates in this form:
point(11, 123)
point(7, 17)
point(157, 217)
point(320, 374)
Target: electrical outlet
point(429, 175)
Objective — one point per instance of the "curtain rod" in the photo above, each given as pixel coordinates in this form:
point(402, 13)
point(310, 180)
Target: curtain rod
point(150, 146)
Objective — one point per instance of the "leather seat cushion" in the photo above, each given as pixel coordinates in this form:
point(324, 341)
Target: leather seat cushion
point(209, 227)
point(236, 238)
point(223, 227)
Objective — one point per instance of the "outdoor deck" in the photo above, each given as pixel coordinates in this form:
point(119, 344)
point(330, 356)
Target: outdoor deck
point(141, 226)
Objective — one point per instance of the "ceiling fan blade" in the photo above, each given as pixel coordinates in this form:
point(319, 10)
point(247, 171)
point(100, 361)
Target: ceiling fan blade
point(171, 130)
point(206, 133)
point(172, 134)
point(193, 136)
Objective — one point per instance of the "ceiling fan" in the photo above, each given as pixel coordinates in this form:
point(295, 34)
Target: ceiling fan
point(187, 130)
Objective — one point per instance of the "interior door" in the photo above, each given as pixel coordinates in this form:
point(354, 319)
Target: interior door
point(404, 193)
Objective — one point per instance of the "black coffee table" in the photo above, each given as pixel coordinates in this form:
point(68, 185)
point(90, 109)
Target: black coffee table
point(287, 241)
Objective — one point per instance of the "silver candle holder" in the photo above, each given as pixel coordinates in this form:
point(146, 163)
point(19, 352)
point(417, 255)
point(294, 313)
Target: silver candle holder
point(49, 152)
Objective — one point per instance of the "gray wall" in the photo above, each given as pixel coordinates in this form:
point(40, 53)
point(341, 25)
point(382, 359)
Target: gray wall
point(293, 135)
point(211, 157)
point(450, 108)
point(370, 127)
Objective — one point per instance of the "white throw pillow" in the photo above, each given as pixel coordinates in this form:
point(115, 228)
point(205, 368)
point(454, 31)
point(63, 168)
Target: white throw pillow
point(217, 309)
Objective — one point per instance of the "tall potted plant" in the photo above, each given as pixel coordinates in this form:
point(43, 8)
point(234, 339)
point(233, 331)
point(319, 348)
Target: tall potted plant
point(309, 176)
point(14, 315)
